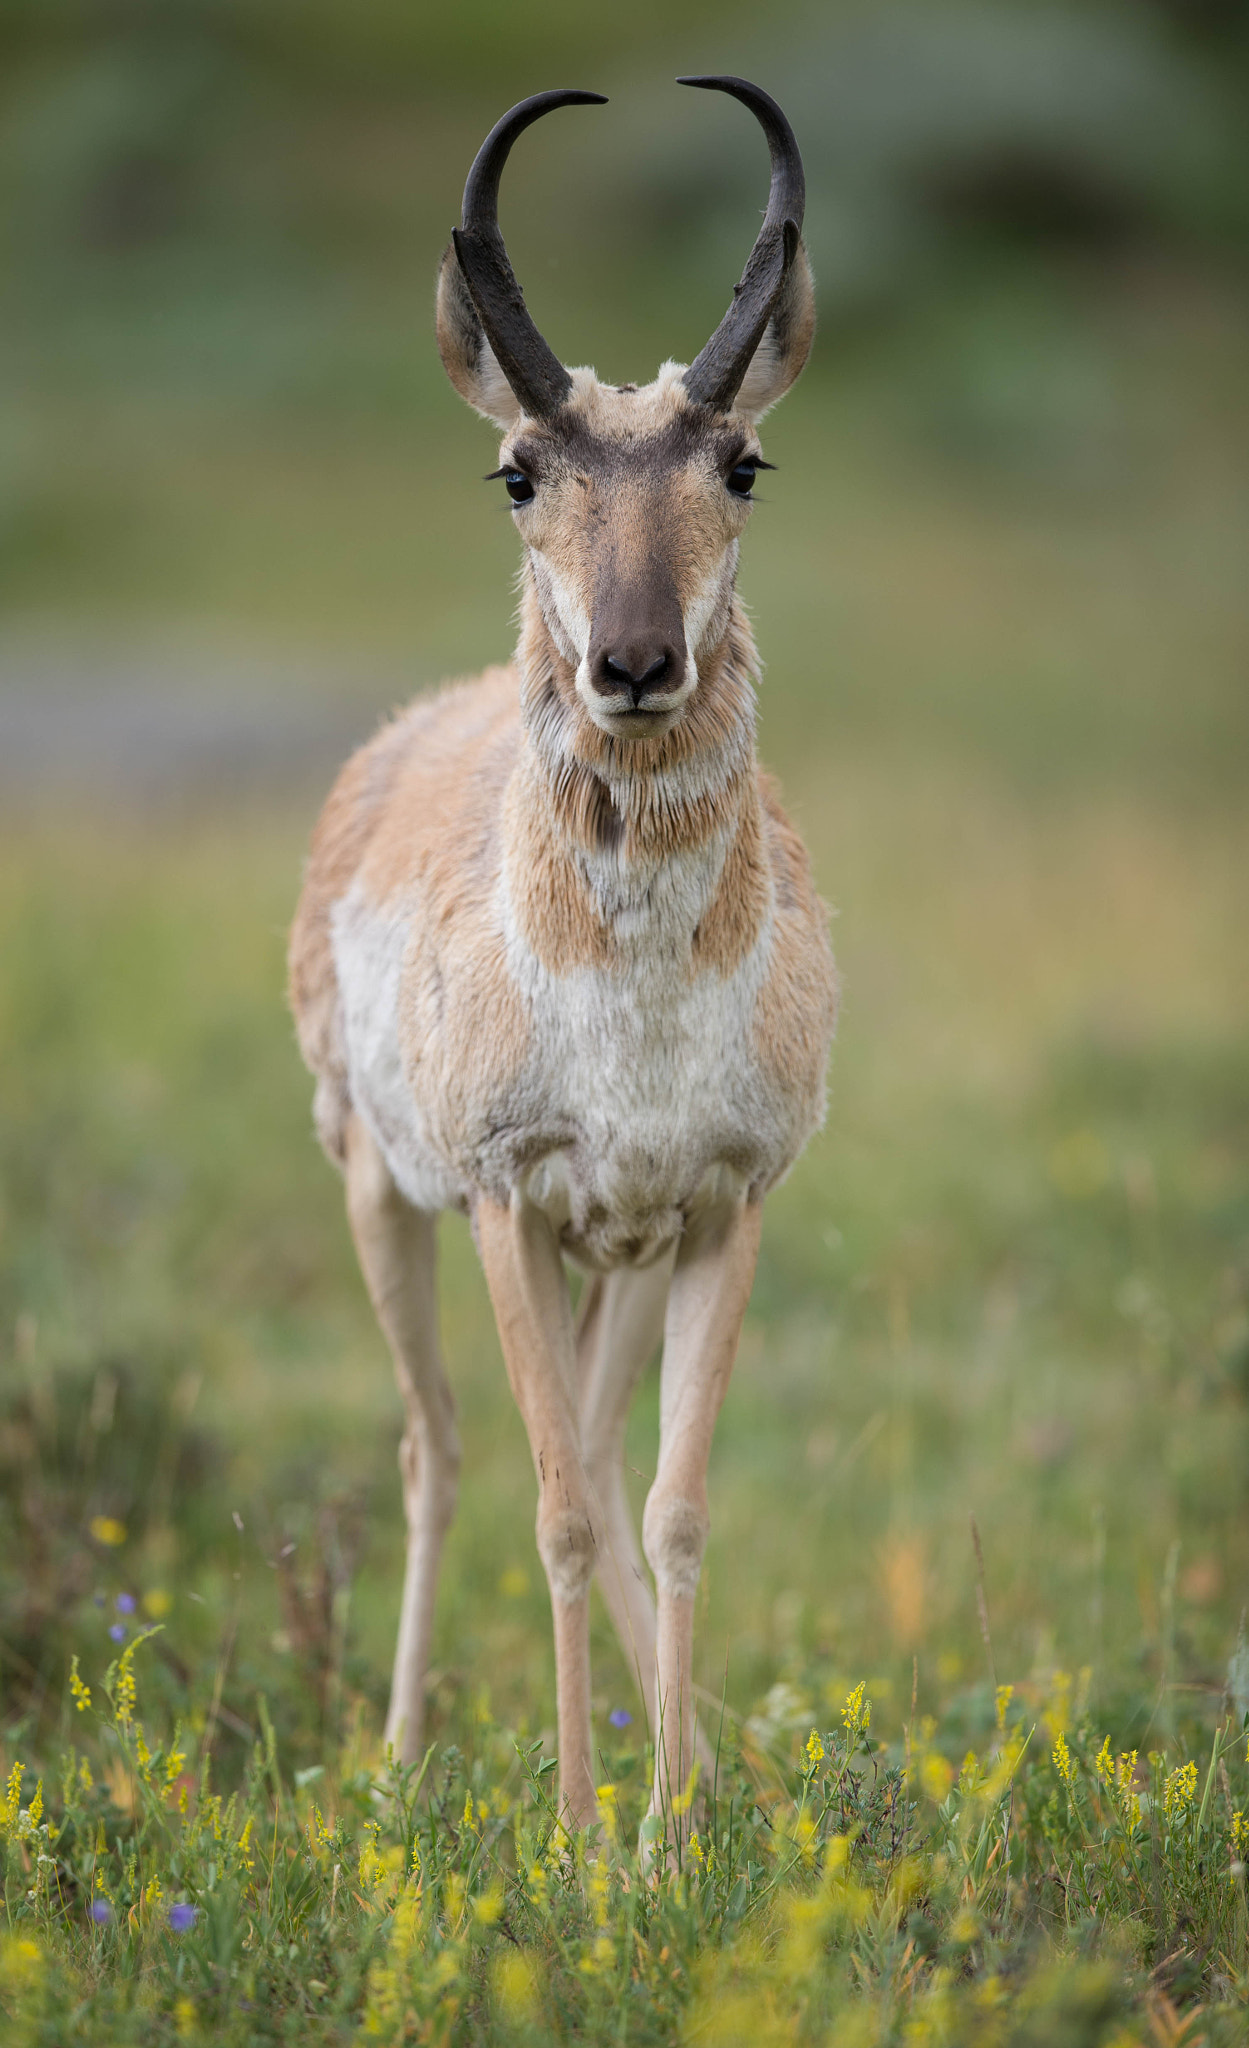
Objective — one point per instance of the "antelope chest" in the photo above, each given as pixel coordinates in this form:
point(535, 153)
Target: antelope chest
point(641, 1102)
point(619, 1098)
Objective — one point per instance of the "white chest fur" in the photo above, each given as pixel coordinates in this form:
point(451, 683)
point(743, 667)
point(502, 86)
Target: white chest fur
point(645, 1063)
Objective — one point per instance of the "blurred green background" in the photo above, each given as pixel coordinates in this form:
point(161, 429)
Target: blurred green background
point(999, 581)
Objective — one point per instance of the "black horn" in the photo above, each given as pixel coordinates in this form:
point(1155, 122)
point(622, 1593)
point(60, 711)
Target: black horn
point(715, 376)
point(534, 372)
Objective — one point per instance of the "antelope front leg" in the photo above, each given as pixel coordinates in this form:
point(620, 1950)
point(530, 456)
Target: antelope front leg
point(620, 1323)
point(396, 1248)
point(529, 1289)
point(710, 1289)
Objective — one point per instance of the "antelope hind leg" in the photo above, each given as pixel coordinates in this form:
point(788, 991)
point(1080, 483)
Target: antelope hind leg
point(619, 1326)
point(620, 1323)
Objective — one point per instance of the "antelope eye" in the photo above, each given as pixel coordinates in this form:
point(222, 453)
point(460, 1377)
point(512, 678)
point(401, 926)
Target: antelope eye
point(741, 479)
point(517, 485)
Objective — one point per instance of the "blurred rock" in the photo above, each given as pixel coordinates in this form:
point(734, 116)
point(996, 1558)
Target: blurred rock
point(148, 732)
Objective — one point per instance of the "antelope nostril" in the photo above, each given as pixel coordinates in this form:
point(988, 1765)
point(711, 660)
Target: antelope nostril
point(632, 671)
point(620, 672)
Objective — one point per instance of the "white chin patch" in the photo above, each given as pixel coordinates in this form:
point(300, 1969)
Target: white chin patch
point(647, 724)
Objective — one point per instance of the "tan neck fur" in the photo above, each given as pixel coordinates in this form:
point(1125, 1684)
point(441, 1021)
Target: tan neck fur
point(654, 842)
point(646, 799)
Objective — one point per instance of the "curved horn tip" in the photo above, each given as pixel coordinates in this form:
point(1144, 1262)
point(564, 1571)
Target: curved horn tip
point(557, 96)
point(715, 376)
point(728, 82)
point(535, 374)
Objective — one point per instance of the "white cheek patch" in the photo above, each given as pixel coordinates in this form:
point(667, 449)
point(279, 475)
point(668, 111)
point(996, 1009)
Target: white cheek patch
point(706, 613)
point(563, 610)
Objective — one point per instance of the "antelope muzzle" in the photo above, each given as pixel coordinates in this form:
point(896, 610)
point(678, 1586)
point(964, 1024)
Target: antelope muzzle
point(636, 664)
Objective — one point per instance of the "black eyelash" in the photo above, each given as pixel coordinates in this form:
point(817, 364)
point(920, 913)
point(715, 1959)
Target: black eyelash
point(519, 487)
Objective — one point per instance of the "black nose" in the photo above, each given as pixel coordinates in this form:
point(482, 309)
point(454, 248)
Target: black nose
point(632, 668)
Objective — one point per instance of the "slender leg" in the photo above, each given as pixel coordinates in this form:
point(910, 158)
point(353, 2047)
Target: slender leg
point(529, 1289)
point(396, 1247)
point(710, 1289)
point(620, 1322)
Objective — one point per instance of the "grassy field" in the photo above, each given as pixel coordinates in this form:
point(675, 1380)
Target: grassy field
point(986, 1452)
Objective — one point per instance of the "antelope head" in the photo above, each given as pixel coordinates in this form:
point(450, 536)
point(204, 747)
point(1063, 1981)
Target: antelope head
point(630, 501)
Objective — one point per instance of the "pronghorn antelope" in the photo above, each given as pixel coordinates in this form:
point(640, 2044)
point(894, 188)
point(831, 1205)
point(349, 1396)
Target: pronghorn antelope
point(558, 961)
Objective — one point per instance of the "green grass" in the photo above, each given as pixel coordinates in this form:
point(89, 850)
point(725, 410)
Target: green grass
point(865, 1888)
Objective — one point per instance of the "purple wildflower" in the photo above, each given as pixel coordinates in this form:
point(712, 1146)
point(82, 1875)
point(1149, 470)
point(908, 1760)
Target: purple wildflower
point(101, 1912)
point(620, 1717)
point(125, 1603)
point(117, 1631)
point(182, 1917)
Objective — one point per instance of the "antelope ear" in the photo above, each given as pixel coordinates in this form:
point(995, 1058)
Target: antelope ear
point(467, 356)
point(786, 342)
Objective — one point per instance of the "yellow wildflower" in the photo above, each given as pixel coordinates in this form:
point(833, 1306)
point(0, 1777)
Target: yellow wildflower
point(815, 1748)
point(174, 1760)
point(856, 1714)
point(108, 1530)
point(12, 1800)
point(1180, 1790)
point(1002, 1699)
point(124, 1687)
point(598, 1891)
point(1064, 1763)
point(608, 1810)
point(682, 1801)
point(81, 1692)
point(246, 1849)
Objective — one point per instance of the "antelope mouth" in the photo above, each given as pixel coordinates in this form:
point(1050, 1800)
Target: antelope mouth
point(636, 721)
